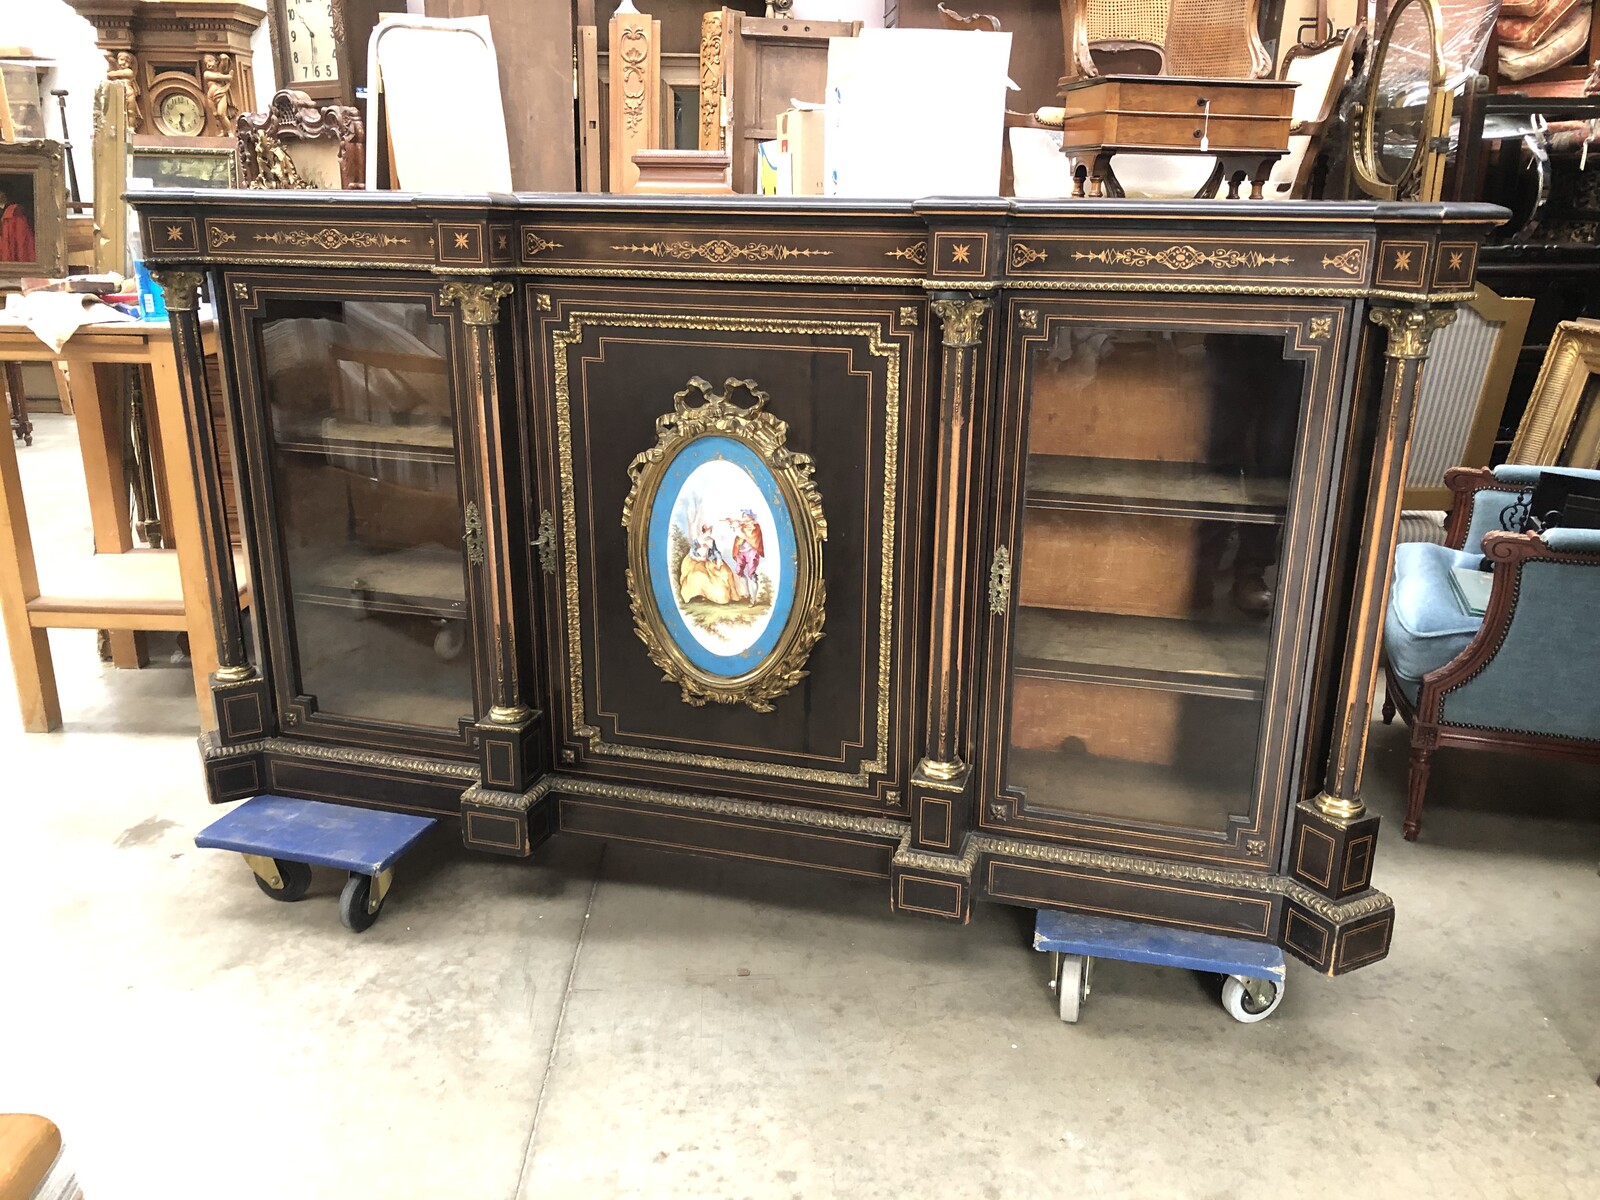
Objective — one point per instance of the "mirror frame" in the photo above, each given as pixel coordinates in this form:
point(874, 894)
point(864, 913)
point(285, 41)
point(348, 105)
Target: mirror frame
point(1423, 176)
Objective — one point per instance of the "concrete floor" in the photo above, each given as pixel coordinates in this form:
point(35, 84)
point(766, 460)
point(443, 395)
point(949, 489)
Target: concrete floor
point(611, 1022)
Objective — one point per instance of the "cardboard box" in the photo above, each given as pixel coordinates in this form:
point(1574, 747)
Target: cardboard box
point(800, 136)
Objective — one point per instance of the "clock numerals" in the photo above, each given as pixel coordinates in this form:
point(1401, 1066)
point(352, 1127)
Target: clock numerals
point(311, 46)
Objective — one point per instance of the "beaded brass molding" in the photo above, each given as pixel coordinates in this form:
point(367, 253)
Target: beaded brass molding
point(561, 340)
point(765, 434)
point(342, 755)
point(484, 797)
point(907, 859)
point(1365, 904)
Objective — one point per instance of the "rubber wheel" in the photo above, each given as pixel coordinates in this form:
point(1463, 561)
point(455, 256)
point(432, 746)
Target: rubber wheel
point(1250, 1000)
point(353, 904)
point(296, 878)
point(1072, 985)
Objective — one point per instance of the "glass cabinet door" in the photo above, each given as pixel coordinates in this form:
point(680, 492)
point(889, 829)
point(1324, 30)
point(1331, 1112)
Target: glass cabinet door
point(1146, 573)
point(366, 494)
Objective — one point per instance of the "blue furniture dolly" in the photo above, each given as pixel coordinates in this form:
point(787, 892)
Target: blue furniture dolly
point(282, 839)
point(1253, 972)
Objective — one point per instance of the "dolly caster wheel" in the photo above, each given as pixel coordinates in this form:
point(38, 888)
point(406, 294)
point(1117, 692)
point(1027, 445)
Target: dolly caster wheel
point(359, 904)
point(1072, 984)
point(294, 878)
point(1250, 1000)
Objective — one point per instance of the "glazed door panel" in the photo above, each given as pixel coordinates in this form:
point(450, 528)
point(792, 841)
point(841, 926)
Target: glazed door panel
point(1163, 531)
point(735, 485)
point(358, 458)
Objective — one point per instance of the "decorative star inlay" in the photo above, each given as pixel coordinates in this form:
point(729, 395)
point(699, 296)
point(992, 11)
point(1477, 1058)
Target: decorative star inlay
point(174, 233)
point(1402, 260)
point(461, 241)
point(1455, 259)
point(501, 243)
point(961, 253)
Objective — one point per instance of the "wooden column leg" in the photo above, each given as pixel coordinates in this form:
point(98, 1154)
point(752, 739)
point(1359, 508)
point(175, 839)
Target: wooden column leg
point(1422, 748)
point(1388, 705)
point(183, 522)
point(19, 583)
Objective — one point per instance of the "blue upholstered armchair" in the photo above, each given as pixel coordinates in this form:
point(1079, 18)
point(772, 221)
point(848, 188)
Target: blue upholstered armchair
point(1523, 676)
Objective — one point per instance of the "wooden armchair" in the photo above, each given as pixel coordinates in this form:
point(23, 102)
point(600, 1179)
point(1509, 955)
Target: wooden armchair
point(1209, 39)
point(1322, 71)
point(1521, 676)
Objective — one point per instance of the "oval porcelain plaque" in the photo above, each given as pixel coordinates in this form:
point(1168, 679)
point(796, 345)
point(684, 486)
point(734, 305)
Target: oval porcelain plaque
point(722, 556)
point(725, 534)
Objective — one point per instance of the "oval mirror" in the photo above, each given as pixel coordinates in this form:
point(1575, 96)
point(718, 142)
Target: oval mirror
point(1400, 135)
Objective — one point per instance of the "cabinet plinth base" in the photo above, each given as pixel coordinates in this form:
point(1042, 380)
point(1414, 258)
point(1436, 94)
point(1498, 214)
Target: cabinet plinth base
point(511, 823)
point(1336, 938)
point(1331, 855)
point(932, 885)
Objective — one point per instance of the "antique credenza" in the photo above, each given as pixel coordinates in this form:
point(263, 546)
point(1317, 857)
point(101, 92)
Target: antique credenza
point(997, 550)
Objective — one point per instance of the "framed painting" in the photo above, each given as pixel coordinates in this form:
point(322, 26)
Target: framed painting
point(184, 162)
point(725, 532)
point(33, 217)
point(1561, 426)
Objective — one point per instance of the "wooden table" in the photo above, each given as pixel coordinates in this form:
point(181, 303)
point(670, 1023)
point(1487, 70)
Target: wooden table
point(1242, 123)
point(117, 588)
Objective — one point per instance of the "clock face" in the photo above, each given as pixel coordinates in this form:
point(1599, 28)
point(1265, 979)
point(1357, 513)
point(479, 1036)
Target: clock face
point(179, 114)
point(308, 30)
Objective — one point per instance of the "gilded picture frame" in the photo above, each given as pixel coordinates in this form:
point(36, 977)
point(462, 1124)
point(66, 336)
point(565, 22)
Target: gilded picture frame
point(1561, 425)
point(33, 213)
point(195, 162)
point(725, 531)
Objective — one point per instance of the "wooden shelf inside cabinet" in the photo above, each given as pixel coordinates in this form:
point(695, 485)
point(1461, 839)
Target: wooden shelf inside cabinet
point(1171, 489)
point(1177, 795)
point(414, 583)
point(1200, 658)
point(406, 443)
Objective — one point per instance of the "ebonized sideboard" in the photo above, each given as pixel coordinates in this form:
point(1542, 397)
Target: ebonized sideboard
point(996, 550)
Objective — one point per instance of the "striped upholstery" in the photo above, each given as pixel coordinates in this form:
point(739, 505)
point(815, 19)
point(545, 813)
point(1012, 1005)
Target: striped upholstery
point(1422, 527)
point(1452, 383)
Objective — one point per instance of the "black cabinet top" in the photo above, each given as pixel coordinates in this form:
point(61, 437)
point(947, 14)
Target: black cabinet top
point(1404, 251)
